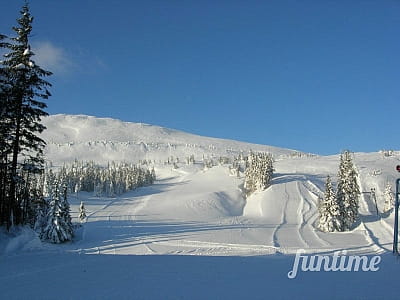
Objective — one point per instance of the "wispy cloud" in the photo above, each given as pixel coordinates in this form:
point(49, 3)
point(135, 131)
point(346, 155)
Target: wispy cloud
point(52, 58)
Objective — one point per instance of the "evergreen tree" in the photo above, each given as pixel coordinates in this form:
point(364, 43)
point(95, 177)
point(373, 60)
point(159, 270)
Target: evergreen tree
point(5, 139)
point(259, 171)
point(26, 89)
point(82, 212)
point(329, 210)
point(59, 227)
point(348, 191)
point(389, 198)
point(65, 208)
point(110, 181)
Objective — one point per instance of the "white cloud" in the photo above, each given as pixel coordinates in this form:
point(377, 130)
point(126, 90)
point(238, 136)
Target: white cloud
point(51, 57)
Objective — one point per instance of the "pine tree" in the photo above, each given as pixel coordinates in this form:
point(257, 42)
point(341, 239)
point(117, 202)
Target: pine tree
point(24, 110)
point(348, 191)
point(65, 207)
point(259, 171)
point(389, 198)
point(5, 139)
point(82, 212)
point(329, 210)
point(59, 227)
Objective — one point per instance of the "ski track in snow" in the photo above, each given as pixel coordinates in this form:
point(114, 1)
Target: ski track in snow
point(376, 231)
point(196, 211)
point(304, 211)
point(300, 217)
point(287, 233)
point(275, 236)
point(294, 230)
point(311, 215)
point(191, 204)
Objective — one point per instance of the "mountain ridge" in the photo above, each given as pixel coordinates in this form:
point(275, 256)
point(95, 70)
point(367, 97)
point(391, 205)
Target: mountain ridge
point(103, 138)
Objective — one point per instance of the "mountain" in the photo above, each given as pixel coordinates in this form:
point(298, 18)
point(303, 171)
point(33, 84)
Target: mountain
point(84, 137)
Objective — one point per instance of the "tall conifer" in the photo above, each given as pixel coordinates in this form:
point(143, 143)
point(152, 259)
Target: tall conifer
point(24, 112)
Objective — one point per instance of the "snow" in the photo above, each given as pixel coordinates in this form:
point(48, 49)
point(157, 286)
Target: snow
point(20, 66)
point(21, 239)
point(27, 51)
point(105, 139)
point(74, 276)
point(192, 235)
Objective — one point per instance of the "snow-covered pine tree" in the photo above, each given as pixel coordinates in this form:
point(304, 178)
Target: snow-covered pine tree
point(389, 198)
point(48, 184)
point(250, 174)
point(65, 208)
point(329, 210)
point(59, 227)
point(153, 175)
point(97, 189)
point(42, 207)
point(110, 181)
point(5, 139)
point(5, 128)
point(348, 191)
point(24, 110)
point(259, 171)
point(111, 189)
point(41, 219)
point(82, 212)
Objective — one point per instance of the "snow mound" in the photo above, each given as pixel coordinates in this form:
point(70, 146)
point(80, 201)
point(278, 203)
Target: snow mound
point(203, 195)
point(20, 239)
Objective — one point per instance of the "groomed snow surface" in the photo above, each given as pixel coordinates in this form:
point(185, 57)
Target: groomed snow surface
point(192, 235)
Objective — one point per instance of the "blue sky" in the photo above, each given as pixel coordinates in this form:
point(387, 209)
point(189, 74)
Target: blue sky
point(317, 76)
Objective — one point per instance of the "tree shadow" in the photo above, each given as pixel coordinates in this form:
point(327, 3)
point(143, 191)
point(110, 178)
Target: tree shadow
point(119, 234)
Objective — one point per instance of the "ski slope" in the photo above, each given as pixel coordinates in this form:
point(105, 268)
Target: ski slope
point(192, 235)
point(192, 210)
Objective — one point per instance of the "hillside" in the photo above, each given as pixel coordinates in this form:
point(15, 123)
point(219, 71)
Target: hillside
point(192, 235)
point(104, 139)
point(208, 204)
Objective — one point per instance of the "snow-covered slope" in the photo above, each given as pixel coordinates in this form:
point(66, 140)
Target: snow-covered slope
point(104, 139)
point(193, 211)
point(205, 207)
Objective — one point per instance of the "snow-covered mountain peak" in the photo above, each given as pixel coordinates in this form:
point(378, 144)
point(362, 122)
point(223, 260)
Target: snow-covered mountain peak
point(103, 139)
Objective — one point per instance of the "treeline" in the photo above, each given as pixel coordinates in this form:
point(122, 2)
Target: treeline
point(110, 181)
point(53, 220)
